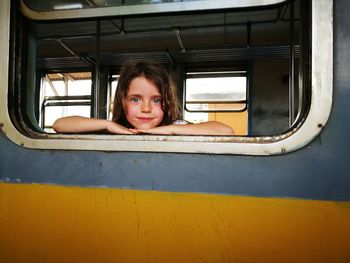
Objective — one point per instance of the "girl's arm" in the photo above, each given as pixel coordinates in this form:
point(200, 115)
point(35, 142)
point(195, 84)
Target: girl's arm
point(78, 124)
point(203, 128)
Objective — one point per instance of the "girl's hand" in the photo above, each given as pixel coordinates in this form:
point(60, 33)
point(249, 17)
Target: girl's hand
point(203, 128)
point(116, 128)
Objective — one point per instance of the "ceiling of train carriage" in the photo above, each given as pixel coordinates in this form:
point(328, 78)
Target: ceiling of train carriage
point(169, 32)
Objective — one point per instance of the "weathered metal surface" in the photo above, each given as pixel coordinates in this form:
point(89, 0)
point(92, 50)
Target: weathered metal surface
point(68, 224)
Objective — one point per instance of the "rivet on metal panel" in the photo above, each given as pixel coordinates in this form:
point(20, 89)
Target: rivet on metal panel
point(283, 150)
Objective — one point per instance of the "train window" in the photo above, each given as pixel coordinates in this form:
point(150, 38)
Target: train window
point(229, 93)
point(217, 96)
point(64, 94)
point(262, 67)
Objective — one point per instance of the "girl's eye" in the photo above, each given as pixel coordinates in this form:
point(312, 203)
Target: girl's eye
point(135, 99)
point(157, 100)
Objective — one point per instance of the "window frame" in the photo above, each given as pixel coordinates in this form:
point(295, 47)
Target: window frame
point(142, 9)
point(301, 135)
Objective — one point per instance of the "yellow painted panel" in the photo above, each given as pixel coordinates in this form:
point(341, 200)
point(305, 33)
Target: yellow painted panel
point(42, 223)
point(238, 121)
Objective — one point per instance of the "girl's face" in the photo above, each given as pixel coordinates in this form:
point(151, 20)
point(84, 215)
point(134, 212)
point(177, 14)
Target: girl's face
point(143, 104)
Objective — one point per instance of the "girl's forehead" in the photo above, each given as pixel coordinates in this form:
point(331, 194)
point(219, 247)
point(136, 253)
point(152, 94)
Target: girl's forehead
point(143, 84)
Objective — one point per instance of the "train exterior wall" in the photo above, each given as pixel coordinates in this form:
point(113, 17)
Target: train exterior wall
point(167, 207)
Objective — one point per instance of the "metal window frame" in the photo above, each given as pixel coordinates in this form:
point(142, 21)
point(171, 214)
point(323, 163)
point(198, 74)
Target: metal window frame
point(301, 135)
point(142, 9)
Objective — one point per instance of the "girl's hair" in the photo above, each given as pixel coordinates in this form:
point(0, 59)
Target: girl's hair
point(152, 72)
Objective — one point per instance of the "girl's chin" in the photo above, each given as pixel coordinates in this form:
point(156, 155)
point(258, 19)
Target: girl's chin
point(145, 126)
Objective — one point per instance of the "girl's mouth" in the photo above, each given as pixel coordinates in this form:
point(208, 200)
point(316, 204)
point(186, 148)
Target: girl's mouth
point(145, 119)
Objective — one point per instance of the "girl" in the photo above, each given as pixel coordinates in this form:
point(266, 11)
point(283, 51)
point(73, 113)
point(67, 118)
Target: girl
point(145, 102)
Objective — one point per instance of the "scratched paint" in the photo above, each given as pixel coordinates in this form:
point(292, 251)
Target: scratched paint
point(41, 223)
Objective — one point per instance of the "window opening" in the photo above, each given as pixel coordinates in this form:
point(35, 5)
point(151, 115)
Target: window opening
point(261, 39)
point(271, 42)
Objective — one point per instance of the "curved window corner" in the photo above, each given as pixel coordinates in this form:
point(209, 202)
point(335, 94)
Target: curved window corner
point(265, 70)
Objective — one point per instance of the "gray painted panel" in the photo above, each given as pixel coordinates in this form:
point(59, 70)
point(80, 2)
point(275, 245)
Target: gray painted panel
point(315, 172)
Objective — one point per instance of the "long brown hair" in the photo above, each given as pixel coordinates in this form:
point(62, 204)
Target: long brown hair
point(152, 72)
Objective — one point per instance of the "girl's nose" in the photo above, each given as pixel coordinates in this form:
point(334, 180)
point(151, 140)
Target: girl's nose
point(146, 107)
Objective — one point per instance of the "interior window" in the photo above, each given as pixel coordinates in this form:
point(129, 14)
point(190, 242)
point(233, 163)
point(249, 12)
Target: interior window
point(64, 94)
point(217, 96)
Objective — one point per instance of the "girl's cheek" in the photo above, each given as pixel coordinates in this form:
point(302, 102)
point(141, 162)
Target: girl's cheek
point(159, 108)
point(160, 112)
point(130, 108)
